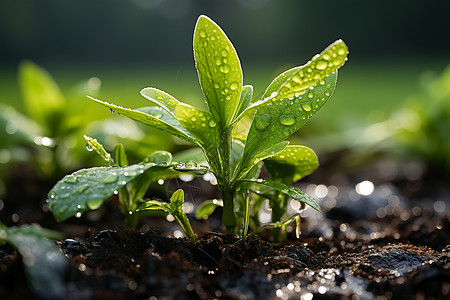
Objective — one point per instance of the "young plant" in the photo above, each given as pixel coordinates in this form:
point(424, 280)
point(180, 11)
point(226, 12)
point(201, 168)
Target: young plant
point(175, 208)
point(88, 189)
point(289, 102)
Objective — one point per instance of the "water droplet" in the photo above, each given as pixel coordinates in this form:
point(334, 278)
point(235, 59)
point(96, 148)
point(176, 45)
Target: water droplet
point(216, 85)
point(234, 86)
point(310, 95)
point(224, 53)
point(212, 123)
point(341, 51)
point(218, 61)
point(202, 33)
point(321, 64)
point(109, 178)
point(81, 189)
point(327, 94)
point(78, 215)
point(224, 69)
point(287, 120)
point(191, 164)
point(94, 203)
point(193, 119)
point(62, 210)
point(306, 106)
point(157, 115)
point(116, 192)
point(89, 148)
point(111, 111)
point(64, 196)
point(51, 195)
point(70, 179)
point(263, 121)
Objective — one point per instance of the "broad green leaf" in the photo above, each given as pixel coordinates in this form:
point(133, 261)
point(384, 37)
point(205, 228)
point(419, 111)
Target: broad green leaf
point(87, 189)
point(42, 97)
point(277, 120)
point(161, 98)
point(44, 263)
point(153, 116)
point(311, 74)
point(93, 144)
point(201, 126)
point(292, 164)
point(207, 208)
point(219, 70)
point(291, 191)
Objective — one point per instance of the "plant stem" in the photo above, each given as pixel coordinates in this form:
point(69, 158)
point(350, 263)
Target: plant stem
point(229, 217)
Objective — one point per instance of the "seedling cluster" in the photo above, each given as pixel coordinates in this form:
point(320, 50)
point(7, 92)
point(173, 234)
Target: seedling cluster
point(234, 153)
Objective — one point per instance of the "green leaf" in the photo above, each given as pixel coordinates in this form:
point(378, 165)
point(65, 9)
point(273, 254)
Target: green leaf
point(177, 199)
point(93, 144)
point(120, 156)
point(246, 98)
point(247, 164)
point(153, 116)
point(207, 208)
point(163, 99)
point(292, 164)
point(44, 263)
point(291, 191)
point(191, 167)
point(219, 70)
point(200, 124)
point(42, 98)
point(278, 119)
point(87, 189)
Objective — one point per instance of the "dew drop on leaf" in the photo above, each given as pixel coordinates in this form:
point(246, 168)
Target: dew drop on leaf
point(234, 86)
point(224, 69)
point(263, 121)
point(224, 53)
point(110, 178)
point(202, 33)
point(212, 123)
point(78, 215)
point(94, 203)
point(306, 106)
point(321, 64)
point(70, 179)
point(89, 148)
point(81, 189)
point(111, 111)
point(287, 120)
point(191, 164)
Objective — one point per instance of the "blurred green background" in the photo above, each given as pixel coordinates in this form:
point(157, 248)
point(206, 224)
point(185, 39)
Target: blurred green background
point(132, 44)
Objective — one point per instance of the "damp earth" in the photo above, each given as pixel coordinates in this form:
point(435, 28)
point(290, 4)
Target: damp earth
point(384, 233)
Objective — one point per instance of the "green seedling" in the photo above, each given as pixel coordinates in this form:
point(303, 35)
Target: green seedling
point(88, 189)
point(235, 157)
point(174, 208)
point(43, 262)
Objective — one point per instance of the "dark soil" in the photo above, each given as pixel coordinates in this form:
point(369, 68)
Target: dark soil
point(391, 244)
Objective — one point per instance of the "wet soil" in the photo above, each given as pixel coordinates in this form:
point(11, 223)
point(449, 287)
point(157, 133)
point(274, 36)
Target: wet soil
point(393, 243)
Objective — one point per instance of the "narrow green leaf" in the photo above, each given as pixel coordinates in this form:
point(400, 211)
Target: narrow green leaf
point(120, 156)
point(43, 99)
point(207, 208)
point(153, 116)
point(246, 98)
point(155, 205)
point(291, 191)
point(161, 98)
point(177, 198)
point(93, 144)
point(219, 70)
point(87, 189)
point(31, 230)
point(292, 164)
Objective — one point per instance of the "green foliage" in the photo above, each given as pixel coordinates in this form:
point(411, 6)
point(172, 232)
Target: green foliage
point(289, 102)
point(175, 208)
point(42, 260)
point(88, 189)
